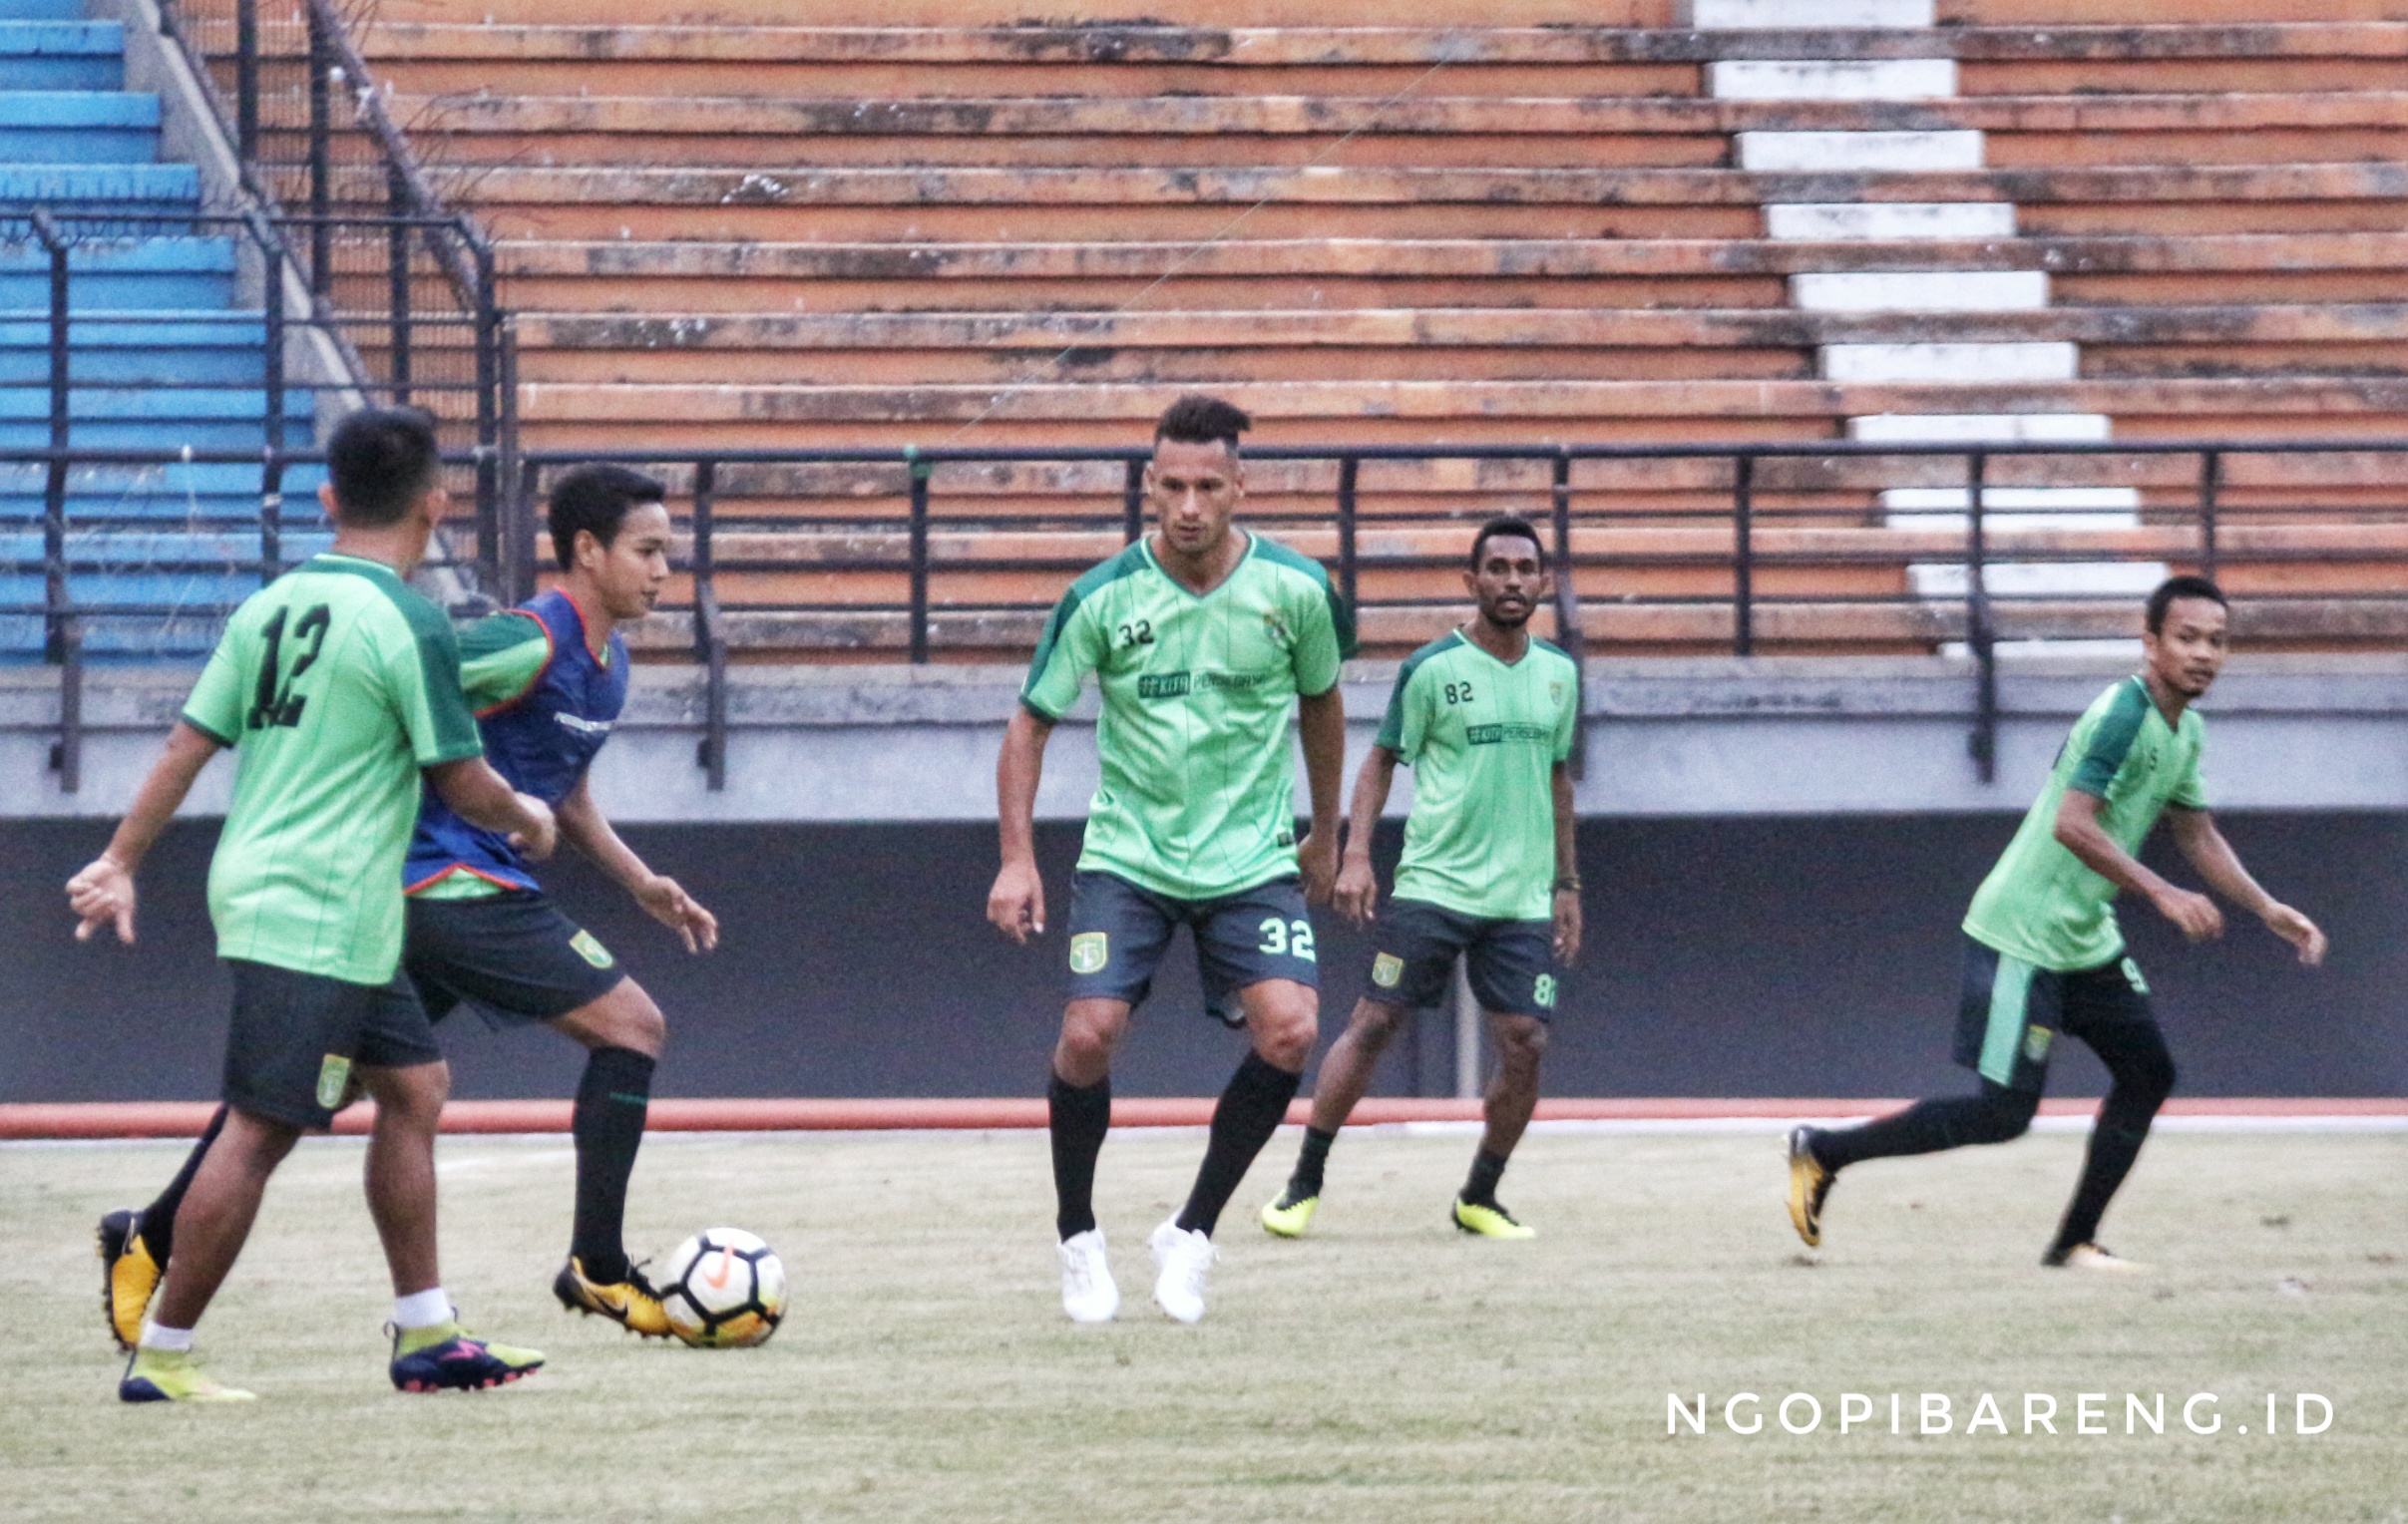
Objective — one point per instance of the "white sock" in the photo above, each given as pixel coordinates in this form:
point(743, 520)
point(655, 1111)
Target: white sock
point(422, 1309)
point(168, 1340)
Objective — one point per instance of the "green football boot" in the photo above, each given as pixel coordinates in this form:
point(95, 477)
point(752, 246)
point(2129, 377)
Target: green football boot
point(168, 1375)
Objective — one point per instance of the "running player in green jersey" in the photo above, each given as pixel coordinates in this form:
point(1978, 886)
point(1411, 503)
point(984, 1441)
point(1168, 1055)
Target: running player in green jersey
point(1484, 715)
point(2043, 953)
point(337, 688)
point(1201, 636)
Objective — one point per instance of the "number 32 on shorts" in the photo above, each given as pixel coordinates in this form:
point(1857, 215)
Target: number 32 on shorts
point(1287, 938)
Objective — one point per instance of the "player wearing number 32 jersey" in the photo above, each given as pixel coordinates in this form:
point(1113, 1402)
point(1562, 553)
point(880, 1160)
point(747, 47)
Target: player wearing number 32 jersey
point(338, 688)
point(1201, 636)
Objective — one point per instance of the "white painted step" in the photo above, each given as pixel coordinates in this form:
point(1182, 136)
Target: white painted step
point(1948, 509)
point(1840, 152)
point(2028, 650)
point(2042, 580)
point(1922, 291)
point(1823, 222)
point(1889, 79)
point(1787, 15)
point(1989, 364)
point(1977, 428)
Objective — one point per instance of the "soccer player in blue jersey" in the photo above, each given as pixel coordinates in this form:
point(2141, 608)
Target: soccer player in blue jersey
point(548, 680)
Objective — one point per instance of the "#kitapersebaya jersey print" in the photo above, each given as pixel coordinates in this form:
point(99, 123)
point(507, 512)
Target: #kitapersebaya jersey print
point(335, 684)
point(1195, 799)
point(2041, 903)
point(1482, 739)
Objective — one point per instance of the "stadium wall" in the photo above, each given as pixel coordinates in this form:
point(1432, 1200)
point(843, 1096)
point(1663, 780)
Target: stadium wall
point(1729, 956)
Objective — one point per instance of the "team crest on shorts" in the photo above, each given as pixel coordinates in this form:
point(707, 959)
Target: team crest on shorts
point(1387, 968)
point(2036, 1043)
point(1089, 951)
point(333, 1076)
point(590, 948)
point(2132, 975)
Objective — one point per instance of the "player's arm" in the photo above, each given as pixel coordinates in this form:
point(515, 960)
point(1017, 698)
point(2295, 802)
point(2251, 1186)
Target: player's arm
point(103, 893)
point(584, 827)
point(1358, 892)
point(1321, 723)
point(1016, 904)
point(2195, 833)
point(2078, 832)
point(482, 797)
point(1567, 867)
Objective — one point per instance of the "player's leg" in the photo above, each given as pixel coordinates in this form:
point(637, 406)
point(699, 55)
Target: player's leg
point(2108, 1008)
point(403, 1069)
point(215, 1219)
point(623, 1033)
point(2007, 1013)
point(1513, 974)
point(135, 1244)
point(1117, 936)
point(1414, 947)
point(1343, 1077)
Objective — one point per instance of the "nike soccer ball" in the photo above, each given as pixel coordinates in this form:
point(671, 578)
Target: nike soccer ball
point(724, 1290)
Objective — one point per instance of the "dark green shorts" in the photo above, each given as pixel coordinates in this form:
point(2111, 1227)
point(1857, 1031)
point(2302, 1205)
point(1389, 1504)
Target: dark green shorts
point(512, 956)
point(2010, 1015)
point(295, 1037)
point(1511, 964)
point(1119, 931)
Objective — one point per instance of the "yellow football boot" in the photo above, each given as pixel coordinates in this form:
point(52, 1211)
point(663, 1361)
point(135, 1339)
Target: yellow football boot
point(171, 1375)
point(1289, 1215)
point(1809, 1181)
point(1489, 1220)
point(128, 1275)
point(631, 1304)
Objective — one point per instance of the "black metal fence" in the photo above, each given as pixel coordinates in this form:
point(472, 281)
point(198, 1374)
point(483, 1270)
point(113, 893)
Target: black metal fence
point(1747, 549)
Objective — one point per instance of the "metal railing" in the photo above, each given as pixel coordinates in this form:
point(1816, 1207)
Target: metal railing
point(1768, 548)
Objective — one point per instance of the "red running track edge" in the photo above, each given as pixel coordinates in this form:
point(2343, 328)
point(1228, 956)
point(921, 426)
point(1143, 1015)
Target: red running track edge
point(184, 1119)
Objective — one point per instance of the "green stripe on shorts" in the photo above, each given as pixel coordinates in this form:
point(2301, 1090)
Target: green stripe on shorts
point(2010, 998)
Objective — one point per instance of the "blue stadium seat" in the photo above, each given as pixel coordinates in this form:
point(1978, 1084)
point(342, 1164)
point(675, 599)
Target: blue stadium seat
point(160, 358)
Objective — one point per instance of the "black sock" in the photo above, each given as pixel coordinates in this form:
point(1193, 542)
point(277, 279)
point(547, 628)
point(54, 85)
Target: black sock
point(1079, 1116)
point(1305, 1180)
point(159, 1218)
point(1486, 1170)
point(609, 1127)
point(1927, 1127)
point(1251, 1109)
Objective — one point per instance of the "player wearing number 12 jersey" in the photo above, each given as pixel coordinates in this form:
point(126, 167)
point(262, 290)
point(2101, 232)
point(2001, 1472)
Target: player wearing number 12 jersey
point(1484, 715)
point(338, 687)
point(1200, 636)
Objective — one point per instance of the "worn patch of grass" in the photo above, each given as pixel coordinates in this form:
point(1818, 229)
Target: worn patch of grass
point(1386, 1368)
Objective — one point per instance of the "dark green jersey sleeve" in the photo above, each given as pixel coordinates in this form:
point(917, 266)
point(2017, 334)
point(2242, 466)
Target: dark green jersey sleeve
point(1567, 719)
point(216, 705)
point(1071, 647)
point(2191, 790)
point(500, 656)
point(421, 661)
point(2111, 742)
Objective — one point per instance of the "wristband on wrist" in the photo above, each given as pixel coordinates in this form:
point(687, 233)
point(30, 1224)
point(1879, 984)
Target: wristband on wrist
point(1568, 884)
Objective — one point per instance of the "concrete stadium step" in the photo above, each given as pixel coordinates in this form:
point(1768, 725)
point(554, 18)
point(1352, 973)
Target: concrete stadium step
point(77, 127)
point(203, 418)
point(171, 348)
point(61, 55)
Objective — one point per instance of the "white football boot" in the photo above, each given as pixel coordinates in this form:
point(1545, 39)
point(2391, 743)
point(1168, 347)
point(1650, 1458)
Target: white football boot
point(1185, 1261)
point(1088, 1293)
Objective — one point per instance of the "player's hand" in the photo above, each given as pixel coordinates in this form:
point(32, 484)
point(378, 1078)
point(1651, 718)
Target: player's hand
point(101, 895)
point(540, 842)
point(1567, 926)
point(1016, 904)
point(2197, 914)
point(1317, 860)
point(2299, 931)
point(665, 901)
point(1356, 894)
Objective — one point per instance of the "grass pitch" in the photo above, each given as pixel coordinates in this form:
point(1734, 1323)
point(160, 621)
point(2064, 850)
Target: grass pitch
point(1385, 1369)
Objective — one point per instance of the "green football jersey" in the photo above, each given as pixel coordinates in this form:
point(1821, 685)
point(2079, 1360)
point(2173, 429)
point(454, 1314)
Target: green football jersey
point(2041, 903)
point(1195, 797)
point(335, 684)
point(1482, 739)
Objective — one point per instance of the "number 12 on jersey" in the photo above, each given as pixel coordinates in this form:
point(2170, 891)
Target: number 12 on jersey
point(273, 702)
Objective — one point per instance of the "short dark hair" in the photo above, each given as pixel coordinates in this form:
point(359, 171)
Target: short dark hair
point(596, 499)
point(1196, 419)
point(1505, 526)
point(382, 461)
point(2180, 587)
